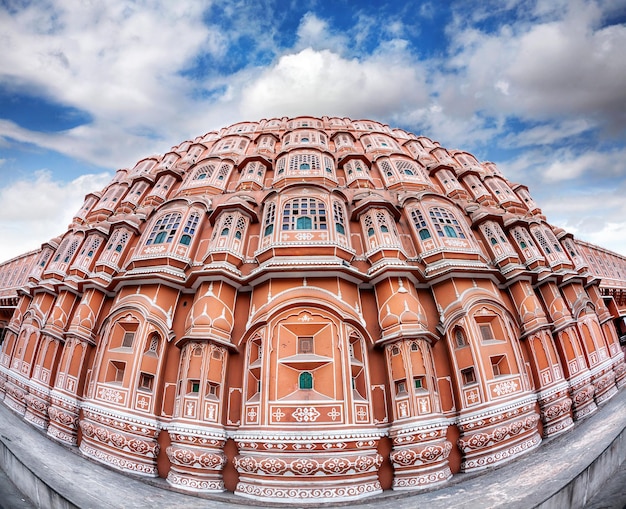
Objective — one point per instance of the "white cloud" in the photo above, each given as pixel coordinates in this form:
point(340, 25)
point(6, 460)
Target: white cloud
point(35, 211)
point(324, 83)
point(118, 61)
point(591, 164)
point(315, 32)
point(554, 66)
point(549, 133)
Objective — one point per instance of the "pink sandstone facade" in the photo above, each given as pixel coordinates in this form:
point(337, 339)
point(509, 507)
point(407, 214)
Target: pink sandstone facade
point(310, 308)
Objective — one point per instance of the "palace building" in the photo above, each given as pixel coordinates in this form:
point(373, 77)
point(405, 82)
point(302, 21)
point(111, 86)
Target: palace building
point(311, 309)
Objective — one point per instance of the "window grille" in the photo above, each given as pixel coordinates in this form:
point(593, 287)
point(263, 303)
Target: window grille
point(445, 223)
point(164, 229)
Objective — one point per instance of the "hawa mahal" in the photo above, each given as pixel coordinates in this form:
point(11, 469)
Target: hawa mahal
point(311, 309)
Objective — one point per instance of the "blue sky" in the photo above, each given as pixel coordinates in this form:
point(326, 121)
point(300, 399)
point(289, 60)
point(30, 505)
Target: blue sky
point(536, 86)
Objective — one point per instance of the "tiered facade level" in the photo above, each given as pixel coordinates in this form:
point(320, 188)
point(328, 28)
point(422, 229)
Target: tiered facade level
point(313, 309)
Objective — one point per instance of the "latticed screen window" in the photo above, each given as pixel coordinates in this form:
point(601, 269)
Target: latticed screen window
point(409, 169)
point(239, 228)
point(369, 225)
point(44, 258)
point(270, 217)
point(226, 226)
point(420, 224)
point(387, 169)
point(553, 240)
point(304, 214)
point(383, 224)
point(328, 165)
point(486, 332)
point(522, 238)
point(570, 248)
point(304, 162)
point(223, 173)
point(542, 240)
point(445, 223)
point(459, 337)
point(121, 242)
point(154, 343)
point(95, 244)
point(164, 229)
point(204, 172)
point(70, 252)
point(305, 344)
point(189, 229)
point(494, 233)
point(339, 218)
point(60, 251)
point(280, 166)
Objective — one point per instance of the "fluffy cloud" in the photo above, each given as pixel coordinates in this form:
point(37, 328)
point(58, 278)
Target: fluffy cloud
point(595, 215)
point(324, 83)
point(119, 61)
point(567, 66)
point(33, 211)
point(591, 164)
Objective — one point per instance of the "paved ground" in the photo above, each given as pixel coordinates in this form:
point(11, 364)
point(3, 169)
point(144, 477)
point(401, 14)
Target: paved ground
point(10, 496)
point(612, 494)
point(521, 484)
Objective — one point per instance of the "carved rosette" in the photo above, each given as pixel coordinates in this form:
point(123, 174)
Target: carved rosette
point(420, 457)
point(494, 438)
point(15, 396)
point(37, 403)
point(63, 424)
point(582, 391)
point(556, 411)
point(197, 459)
point(604, 383)
point(119, 441)
point(308, 469)
point(3, 381)
point(619, 368)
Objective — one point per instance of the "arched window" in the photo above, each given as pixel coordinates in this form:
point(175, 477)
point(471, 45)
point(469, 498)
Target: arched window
point(280, 166)
point(339, 218)
point(304, 223)
point(270, 217)
point(304, 162)
point(164, 229)
point(190, 229)
point(445, 223)
point(204, 172)
point(224, 171)
point(305, 380)
point(542, 240)
point(380, 228)
point(152, 345)
point(459, 338)
point(409, 169)
point(71, 250)
point(522, 238)
point(239, 228)
point(304, 214)
point(387, 169)
point(420, 224)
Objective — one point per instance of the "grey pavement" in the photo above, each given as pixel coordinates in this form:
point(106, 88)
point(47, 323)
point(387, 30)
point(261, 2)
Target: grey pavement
point(10, 496)
point(612, 494)
point(564, 472)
